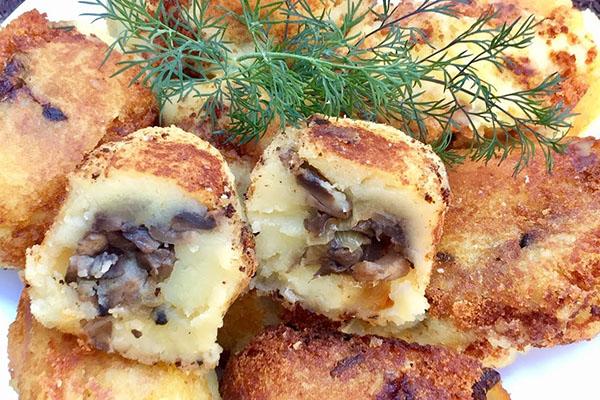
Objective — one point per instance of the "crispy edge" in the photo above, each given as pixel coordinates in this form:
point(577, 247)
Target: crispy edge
point(467, 304)
point(296, 363)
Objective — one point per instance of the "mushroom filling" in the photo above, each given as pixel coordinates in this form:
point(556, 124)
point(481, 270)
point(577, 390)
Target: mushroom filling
point(372, 250)
point(120, 264)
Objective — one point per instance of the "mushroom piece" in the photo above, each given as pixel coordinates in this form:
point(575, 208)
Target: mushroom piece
point(380, 225)
point(120, 264)
point(158, 263)
point(82, 266)
point(164, 235)
point(92, 244)
point(323, 196)
point(387, 268)
point(329, 267)
point(372, 251)
point(106, 223)
point(187, 221)
point(125, 288)
point(141, 238)
point(319, 222)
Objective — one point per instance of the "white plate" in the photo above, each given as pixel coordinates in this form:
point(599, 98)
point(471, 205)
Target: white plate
point(566, 372)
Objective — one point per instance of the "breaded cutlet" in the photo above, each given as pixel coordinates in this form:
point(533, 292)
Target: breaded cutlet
point(291, 363)
point(57, 102)
point(562, 43)
point(48, 365)
point(519, 261)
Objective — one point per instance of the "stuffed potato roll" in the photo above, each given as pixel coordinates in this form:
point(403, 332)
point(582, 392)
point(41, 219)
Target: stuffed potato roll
point(147, 252)
point(347, 214)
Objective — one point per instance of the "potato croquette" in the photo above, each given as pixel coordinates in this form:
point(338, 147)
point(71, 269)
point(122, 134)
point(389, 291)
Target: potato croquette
point(561, 44)
point(57, 102)
point(147, 252)
point(346, 216)
point(46, 364)
point(288, 363)
point(519, 263)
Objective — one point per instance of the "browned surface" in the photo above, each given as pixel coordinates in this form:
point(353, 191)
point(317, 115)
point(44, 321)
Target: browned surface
point(359, 145)
point(296, 363)
point(168, 153)
point(378, 147)
point(42, 66)
point(520, 257)
point(559, 22)
point(48, 365)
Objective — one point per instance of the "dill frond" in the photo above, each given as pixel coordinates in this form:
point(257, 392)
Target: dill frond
point(325, 65)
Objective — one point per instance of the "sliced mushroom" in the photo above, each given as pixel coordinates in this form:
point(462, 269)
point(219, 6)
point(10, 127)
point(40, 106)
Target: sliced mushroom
point(324, 197)
point(92, 244)
point(387, 268)
point(344, 256)
point(102, 263)
point(120, 264)
point(291, 160)
point(116, 240)
point(90, 267)
point(384, 225)
point(86, 289)
point(80, 266)
point(164, 235)
point(158, 263)
point(126, 288)
point(142, 239)
point(318, 223)
point(106, 223)
point(329, 267)
point(372, 251)
point(375, 250)
point(187, 221)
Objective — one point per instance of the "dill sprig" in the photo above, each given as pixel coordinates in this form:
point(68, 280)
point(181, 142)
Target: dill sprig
point(300, 62)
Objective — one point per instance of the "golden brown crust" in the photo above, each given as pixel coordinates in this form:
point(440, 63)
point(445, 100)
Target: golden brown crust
point(562, 44)
point(57, 102)
point(302, 363)
point(368, 148)
point(520, 257)
point(173, 154)
point(47, 365)
point(377, 147)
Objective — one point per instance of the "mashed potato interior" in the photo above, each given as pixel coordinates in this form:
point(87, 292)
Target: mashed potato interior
point(277, 208)
point(206, 276)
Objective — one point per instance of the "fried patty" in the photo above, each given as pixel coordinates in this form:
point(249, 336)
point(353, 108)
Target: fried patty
point(562, 44)
point(57, 102)
point(46, 364)
point(148, 250)
point(287, 362)
point(519, 262)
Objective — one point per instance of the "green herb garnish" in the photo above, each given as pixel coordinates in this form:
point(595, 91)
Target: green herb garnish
point(320, 65)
